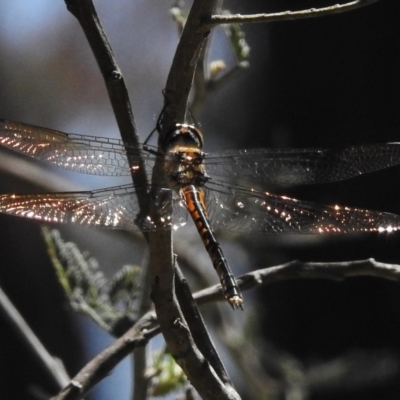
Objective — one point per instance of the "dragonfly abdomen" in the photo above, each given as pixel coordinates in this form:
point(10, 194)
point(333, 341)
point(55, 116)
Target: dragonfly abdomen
point(195, 204)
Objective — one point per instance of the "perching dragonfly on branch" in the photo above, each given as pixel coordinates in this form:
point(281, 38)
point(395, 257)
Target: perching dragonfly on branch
point(203, 184)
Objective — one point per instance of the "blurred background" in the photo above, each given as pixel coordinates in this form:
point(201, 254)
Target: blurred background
point(328, 82)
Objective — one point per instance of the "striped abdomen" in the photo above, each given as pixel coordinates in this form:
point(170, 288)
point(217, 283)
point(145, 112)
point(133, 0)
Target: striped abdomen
point(195, 204)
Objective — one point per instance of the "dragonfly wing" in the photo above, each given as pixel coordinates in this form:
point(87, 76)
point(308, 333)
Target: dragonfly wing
point(179, 212)
point(114, 208)
point(302, 166)
point(85, 154)
point(245, 210)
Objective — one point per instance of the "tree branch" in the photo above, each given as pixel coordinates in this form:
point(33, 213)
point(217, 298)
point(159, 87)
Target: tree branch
point(198, 328)
point(85, 13)
point(306, 270)
point(99, 368)
point(147, 327)
point(180, 78)
point(141, 380)
point(289, 15)
point(173, 325)
point(177, 332)
point(53, 366)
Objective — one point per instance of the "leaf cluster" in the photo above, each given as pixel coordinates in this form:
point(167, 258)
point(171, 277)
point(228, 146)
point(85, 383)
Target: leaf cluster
point(110, 303)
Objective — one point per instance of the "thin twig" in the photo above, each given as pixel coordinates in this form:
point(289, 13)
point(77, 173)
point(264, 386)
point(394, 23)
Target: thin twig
point(181, 75)
point(175, 330)
point(306, 270)
point(172, 323)
point(86, 14)
point(141, 381)
point(289, 15)
point(147, 327)
point(100, 367)
point(53, 366)
point(197, 327)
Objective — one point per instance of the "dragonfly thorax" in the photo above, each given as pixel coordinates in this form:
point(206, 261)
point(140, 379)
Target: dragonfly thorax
point(184, 166)
point(182, 135)
point(184, 156)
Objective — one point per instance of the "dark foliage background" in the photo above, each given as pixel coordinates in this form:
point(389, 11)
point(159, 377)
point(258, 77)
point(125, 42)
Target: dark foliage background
point(320, 82)
point(329, 82)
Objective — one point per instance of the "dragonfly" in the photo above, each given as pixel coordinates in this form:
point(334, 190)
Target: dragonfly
point(210, 187)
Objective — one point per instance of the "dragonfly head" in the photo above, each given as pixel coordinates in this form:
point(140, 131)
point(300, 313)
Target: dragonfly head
point(182, 135)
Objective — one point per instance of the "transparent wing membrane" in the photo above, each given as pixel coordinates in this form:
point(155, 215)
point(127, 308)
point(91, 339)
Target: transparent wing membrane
point(231, 207)
point(112, 208)
point(84, 154)
point(302, 166)
point(105, 156)
point(234, 209)
point(244, 210)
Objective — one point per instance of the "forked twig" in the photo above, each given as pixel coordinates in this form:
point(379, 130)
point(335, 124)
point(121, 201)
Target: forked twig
point(99, 368)
point(147, 327)
point(173, 325)
point(171, 320)
point(189, 48)
point(197, 327)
